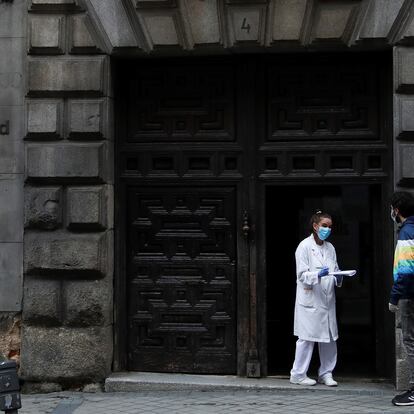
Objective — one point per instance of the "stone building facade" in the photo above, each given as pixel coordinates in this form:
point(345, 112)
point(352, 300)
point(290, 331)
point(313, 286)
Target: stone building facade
point(58, 80)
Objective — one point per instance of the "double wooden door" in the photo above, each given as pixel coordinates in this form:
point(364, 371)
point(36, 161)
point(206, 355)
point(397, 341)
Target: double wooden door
point(197, 142)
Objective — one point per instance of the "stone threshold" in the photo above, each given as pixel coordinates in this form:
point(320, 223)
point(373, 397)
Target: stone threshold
point(148, 381)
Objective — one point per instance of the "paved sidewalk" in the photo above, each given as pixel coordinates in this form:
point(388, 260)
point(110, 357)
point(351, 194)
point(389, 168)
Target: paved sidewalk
point(289, 401)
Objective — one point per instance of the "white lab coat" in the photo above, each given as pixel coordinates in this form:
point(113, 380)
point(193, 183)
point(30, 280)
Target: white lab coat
point(315, 313)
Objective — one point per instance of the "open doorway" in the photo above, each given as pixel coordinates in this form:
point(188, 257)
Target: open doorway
point(355, 211)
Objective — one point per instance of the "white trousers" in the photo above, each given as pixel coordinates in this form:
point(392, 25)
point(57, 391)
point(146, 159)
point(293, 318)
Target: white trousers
point(303, 356)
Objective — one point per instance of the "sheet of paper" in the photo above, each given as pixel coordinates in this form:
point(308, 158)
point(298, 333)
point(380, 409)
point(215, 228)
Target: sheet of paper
point(344, 273)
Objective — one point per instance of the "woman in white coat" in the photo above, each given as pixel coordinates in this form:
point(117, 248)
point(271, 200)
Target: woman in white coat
point(315, 313)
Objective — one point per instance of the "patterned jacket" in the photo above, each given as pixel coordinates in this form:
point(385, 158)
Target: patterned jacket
point(403, 287)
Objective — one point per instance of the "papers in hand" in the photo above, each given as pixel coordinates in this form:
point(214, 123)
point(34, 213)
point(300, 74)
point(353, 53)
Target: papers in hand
point(343, 273)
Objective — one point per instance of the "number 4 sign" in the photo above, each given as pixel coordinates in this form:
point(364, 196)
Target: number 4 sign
point(245, 25)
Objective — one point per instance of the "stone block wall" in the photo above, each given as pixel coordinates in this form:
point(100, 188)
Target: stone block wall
point(68, 255)
point(12, 89)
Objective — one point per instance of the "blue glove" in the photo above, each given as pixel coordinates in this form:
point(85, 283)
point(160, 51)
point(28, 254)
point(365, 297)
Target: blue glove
point(323, 272)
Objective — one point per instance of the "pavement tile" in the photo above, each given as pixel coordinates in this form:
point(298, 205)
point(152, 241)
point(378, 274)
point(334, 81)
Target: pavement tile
point(227, 401)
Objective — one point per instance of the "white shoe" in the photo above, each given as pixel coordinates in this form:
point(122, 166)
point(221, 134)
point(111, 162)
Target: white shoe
point(304, 381)
point(327, 380)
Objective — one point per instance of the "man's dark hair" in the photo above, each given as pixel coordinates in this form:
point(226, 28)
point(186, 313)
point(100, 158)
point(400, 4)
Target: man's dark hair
point(404, 201)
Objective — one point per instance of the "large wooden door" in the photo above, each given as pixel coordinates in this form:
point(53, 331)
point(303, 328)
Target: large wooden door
point(180, 178)
point(198, 142)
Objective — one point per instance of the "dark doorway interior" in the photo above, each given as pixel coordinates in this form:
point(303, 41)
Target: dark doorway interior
point(353, 208)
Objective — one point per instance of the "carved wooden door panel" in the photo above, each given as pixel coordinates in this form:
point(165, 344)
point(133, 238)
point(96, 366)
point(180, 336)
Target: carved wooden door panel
point(181, 271)
point(180, 174)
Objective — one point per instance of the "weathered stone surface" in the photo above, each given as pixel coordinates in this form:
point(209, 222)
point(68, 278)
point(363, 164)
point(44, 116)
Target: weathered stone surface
point(288, 19)
point(12, 89)
point(403, 64)
point(331, 19)
point(11, 71)
point(44, 118)
point(380, 17)
point(11, 279)
point(41, 387)
point(66, 354)
point(11, 211)
point(86, 118)
point(13, 18)
point(74, 255)
point(46, 34)
point(42, 302)
point(204, 21)
point(43, 207)
point(80, 303)
point(113, 18)
point(406, 161)
point(66, 161)
point(86, 208)
point(404, 117)
point(88, 303)
point(68, 75)
point(80, 37)
point(162, 30)
point(10, 339)
point(11, 145)
point(410, 31)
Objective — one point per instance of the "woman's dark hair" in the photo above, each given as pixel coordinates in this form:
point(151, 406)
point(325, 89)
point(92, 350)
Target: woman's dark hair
point(404, 201)
point(317, 217)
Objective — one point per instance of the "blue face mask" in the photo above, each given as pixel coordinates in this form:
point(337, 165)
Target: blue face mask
point(324, 232)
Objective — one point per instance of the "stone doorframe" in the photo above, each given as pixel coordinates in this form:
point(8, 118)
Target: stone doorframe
point(68, 255)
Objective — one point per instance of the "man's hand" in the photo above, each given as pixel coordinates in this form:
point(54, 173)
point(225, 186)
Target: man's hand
point(393, 308)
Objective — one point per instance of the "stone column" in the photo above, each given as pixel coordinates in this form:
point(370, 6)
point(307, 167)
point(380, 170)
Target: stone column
point(12, 88)
point(403, 160)
point(68, 241)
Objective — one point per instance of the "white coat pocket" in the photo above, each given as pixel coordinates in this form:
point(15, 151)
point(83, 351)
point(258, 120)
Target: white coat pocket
point(306, 297)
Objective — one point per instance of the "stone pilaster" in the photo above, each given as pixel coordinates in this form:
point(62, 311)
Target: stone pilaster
point(12, 89)
point(68, 254)
point(403, 160)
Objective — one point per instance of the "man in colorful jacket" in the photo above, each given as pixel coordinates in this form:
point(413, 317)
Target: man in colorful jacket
point(402, 292)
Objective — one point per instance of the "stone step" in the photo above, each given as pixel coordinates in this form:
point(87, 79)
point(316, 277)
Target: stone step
point(147, 381)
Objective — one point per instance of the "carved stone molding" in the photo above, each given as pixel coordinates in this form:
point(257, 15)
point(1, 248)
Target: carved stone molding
point(179, 26)
point(174, 26)
point(402, 31)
